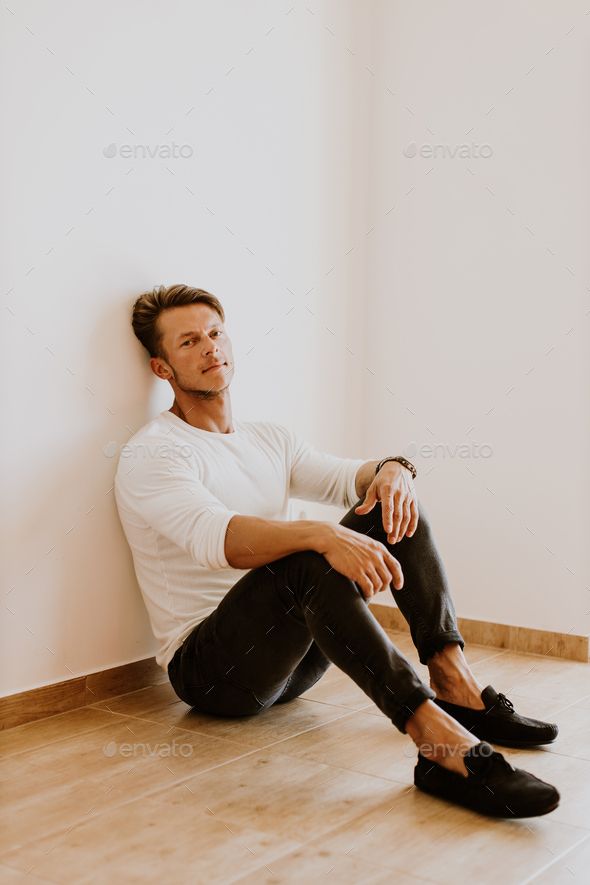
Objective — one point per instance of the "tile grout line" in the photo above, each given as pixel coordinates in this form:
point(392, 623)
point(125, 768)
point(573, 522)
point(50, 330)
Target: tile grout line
point(33, 876)
point(263, 747)
point(6, 756)
point(551, 863)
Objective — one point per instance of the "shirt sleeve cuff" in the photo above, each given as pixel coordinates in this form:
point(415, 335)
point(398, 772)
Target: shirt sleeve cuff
point(223, 524)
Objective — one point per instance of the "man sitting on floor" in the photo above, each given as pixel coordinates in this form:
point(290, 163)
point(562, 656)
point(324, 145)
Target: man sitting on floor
point(250, 608)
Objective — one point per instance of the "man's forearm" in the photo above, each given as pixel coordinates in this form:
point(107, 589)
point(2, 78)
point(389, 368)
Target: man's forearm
point(251, 541)
point(364, 477)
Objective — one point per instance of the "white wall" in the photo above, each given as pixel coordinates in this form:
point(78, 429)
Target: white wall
point(479, 278)
point(266, 206)
point(295, 156)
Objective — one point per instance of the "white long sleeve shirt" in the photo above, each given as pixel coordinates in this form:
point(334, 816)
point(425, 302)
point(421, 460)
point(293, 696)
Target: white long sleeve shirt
point(176, 489)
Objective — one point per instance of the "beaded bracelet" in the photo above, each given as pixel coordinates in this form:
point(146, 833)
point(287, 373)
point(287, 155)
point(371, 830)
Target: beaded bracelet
point(402, 460)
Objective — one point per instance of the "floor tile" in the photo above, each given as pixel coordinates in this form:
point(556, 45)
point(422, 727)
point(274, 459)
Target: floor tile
point(571, 868)
point(446, 844)
point(584, 702)
point(53, 728)
point(10, 876)
point(58, 784)
point(278, 722)
point(200, 828)
point(142, 788)
point(337, 688)
point(137, 702)
point(536, 676)
point(316, 864)
point(574, 733)
point(345, 743)
point(145, 842)
point(285, 795)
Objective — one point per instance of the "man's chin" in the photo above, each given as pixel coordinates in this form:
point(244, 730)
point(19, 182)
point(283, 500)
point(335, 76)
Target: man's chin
point(215, 387)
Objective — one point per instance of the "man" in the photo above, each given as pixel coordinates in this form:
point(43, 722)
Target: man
point(250, 609)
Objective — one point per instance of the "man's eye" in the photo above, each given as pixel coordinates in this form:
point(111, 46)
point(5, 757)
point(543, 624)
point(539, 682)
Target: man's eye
point(190, 340)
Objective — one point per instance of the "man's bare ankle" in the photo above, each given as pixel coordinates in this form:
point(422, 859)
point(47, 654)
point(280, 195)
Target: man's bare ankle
point(439, 737)
point(450, 756)
point(458, 693)
point(451, 678)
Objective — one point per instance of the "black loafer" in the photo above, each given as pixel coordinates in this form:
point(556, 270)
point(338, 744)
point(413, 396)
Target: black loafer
point(500, 723)
point(493, 787)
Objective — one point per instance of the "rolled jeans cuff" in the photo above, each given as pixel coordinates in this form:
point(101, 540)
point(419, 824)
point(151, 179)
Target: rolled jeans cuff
point(437, 643)
point(409, 706)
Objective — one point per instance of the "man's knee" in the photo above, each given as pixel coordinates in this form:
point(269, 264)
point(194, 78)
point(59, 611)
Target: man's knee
point(311, 560)
point(314, 566)
point(424, 524)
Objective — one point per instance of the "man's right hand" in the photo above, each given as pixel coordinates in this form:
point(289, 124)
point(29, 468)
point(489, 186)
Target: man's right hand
point(362, 559)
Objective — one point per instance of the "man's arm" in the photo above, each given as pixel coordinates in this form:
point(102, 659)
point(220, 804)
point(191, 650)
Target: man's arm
point(251, 541)
point(166, 494)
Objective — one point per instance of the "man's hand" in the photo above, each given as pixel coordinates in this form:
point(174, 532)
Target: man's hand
point(364, 560)
point(394, 487)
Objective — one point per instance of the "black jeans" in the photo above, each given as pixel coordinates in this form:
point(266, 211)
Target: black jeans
point(278, 629)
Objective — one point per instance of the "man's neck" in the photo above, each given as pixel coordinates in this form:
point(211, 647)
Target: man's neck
point(220, 424)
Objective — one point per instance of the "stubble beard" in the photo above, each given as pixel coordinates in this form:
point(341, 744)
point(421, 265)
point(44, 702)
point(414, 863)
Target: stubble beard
point(197, 392)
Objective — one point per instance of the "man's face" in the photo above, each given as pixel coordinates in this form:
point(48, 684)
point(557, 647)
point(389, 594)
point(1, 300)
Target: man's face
point(193, 338)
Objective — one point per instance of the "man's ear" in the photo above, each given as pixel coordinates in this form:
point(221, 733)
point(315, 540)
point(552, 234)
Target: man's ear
point(160, 368)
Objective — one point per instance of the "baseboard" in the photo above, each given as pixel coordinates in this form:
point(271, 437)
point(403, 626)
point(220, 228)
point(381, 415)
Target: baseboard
point(38, 703)
point(526, 640)
point(49, 700)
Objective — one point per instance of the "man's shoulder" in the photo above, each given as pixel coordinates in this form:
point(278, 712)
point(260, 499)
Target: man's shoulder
point(151, 428)
point(153, 441)
point(155, 428)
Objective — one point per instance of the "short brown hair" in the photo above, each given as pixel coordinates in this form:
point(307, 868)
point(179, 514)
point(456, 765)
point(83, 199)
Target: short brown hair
point(149, 306)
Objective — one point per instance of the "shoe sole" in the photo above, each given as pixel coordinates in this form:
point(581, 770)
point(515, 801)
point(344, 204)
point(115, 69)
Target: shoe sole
point(495, 814)
point(501, 743)
point(518, 744)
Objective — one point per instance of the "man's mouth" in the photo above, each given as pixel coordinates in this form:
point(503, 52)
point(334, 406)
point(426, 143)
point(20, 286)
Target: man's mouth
point(216, 366)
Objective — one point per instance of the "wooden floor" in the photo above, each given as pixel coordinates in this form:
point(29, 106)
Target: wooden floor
point(319, 789)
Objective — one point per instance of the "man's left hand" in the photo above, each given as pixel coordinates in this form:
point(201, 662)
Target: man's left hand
point(394, 487)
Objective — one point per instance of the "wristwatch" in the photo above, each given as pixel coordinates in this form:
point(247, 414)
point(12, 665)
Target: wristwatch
point(402, 460)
